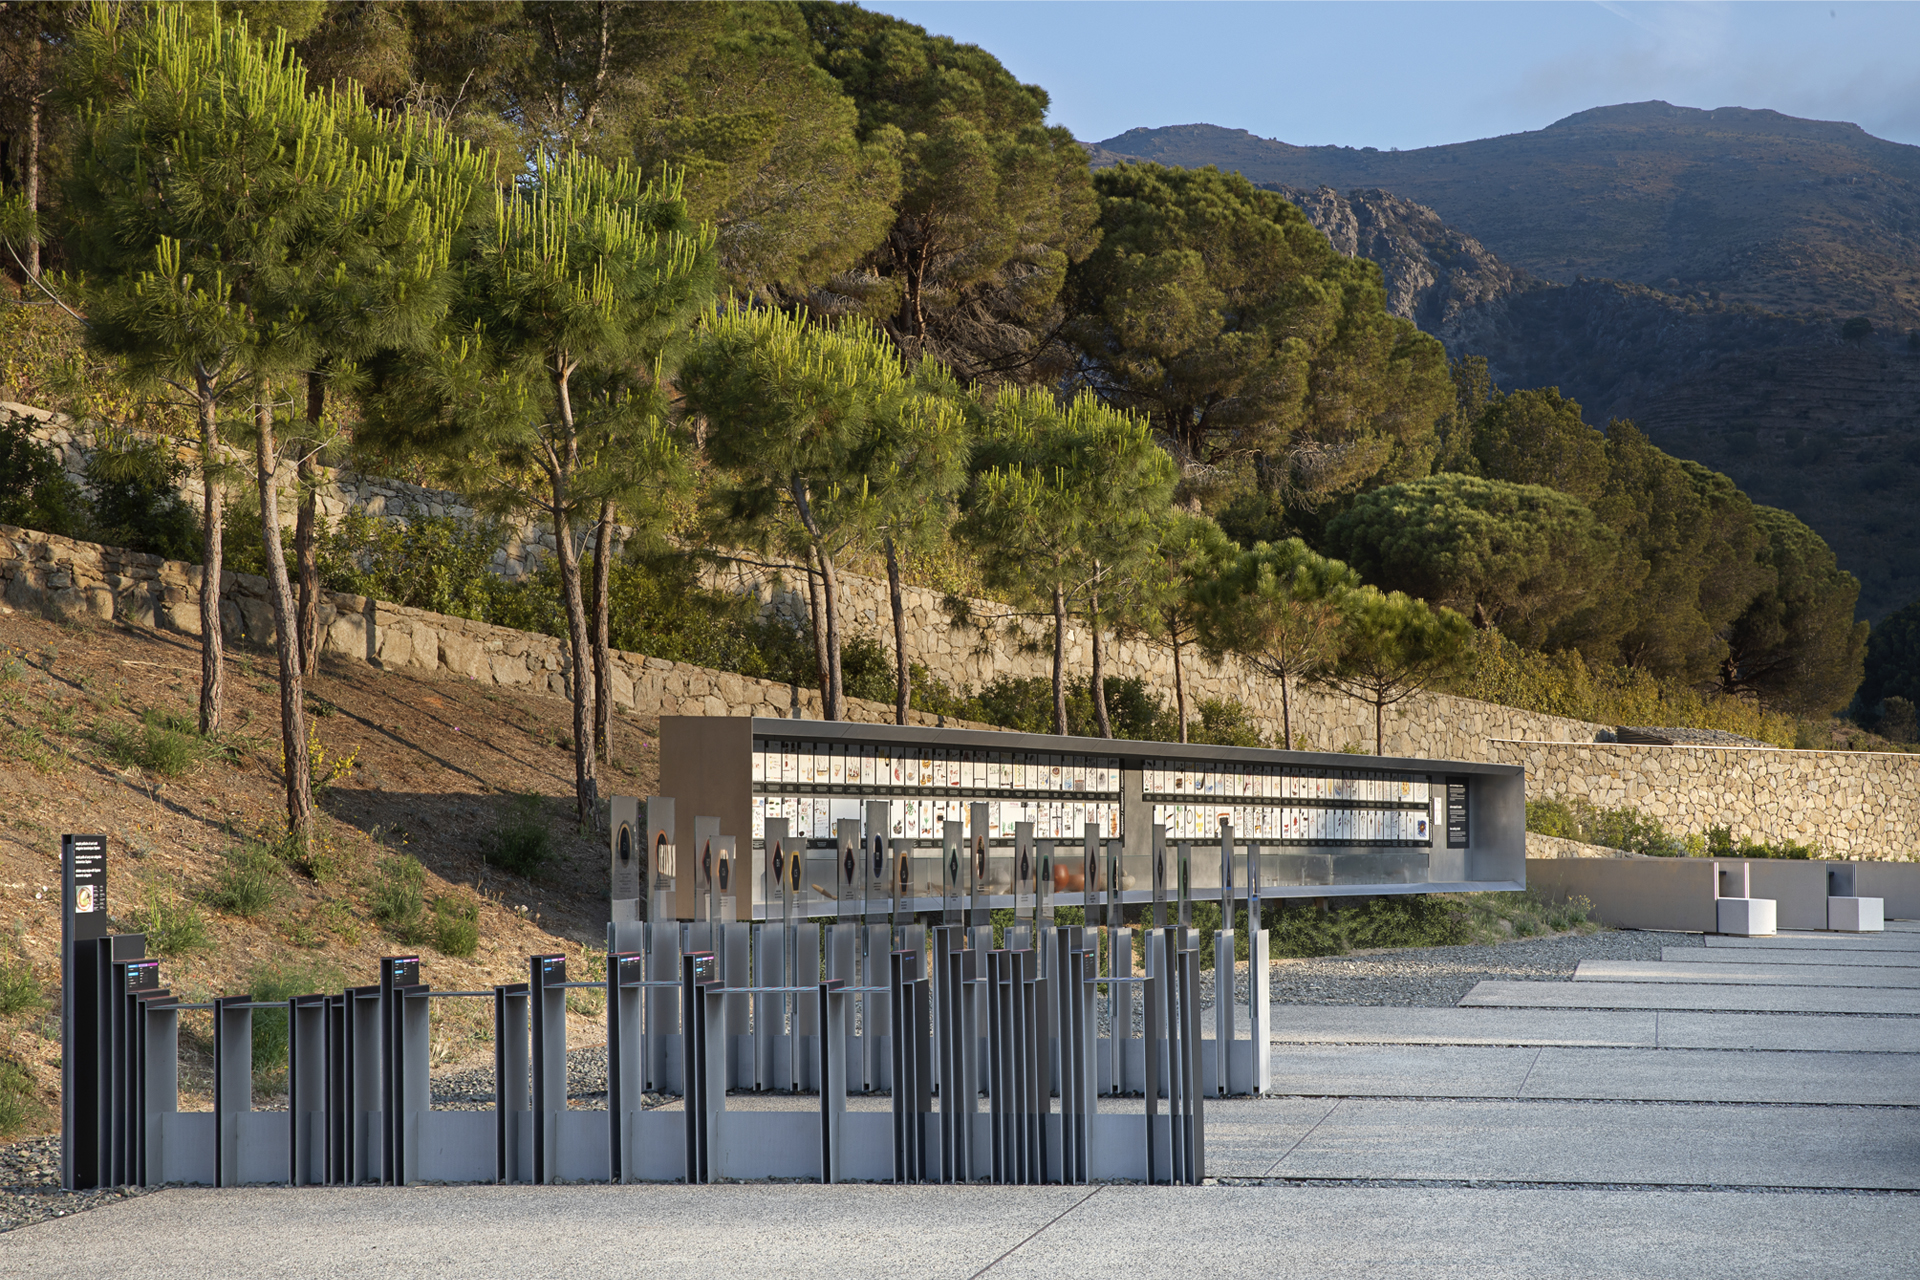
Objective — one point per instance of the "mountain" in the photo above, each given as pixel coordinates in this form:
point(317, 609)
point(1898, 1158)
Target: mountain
point(1732, 205)
point(1559, 255)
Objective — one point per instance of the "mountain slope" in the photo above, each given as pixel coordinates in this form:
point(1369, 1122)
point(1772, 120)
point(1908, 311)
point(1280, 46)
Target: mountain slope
point(1736, 205)
point(1798, 416)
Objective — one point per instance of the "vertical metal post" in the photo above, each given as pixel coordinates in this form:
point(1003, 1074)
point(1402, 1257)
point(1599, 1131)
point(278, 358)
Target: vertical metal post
point(832, 1074)
point(512, 1096)
point(232, 1083)
point(626, 971)
point(548, 975)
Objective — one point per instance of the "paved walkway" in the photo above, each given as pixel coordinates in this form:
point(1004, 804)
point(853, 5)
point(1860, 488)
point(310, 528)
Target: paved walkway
point(1648, 1119)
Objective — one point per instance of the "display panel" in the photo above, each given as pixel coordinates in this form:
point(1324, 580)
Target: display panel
point(1311, 823)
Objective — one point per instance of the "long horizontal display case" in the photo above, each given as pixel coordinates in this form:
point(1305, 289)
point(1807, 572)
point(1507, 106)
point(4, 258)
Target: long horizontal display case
point(1304, 824)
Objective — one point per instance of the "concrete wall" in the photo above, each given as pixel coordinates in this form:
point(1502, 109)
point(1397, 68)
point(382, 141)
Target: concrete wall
point(1632, 893)
point(1677, 893)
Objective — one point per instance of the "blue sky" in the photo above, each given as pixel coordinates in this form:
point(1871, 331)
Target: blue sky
point(1416, 74)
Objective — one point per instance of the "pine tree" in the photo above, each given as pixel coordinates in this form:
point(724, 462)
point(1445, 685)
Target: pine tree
point(545, 396)
point(790, 414)
point(1063, 499)
point(1279, 605)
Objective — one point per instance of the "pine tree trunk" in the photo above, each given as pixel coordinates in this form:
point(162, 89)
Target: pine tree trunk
point(830, 588)
point(1286, 717)
point(306, 555)
point(832, 699)
point(293, 711)
point(32, 175)
point(903, 672)
point(817, 620)
point(586, 780)
point(1099, 669)
point(213, 665)
point(1059, 660)
point(1379, 719)
point(586, 783)
point(1179, 688)
point(602, 653)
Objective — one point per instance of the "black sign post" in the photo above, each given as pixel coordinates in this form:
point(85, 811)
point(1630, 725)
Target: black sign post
point(83, 922)
point(1456, 813)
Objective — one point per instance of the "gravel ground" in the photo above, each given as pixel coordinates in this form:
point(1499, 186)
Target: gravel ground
point(1438, 977)
point(30, 1185)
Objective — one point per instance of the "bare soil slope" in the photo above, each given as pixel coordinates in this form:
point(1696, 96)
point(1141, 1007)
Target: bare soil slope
point(435, 765)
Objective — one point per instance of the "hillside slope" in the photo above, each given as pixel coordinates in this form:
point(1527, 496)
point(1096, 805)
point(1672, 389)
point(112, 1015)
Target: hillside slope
point(1737, 205)
point(437, 764)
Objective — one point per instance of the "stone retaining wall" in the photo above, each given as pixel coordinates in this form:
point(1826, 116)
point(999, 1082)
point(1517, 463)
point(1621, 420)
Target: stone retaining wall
point(82, 581)
point(1852, 804)
point(1434, 726)
point(1438, 726)
point(527, 542)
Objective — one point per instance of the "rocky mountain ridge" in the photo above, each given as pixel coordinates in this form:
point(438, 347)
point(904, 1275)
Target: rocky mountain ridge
point(1733, 205)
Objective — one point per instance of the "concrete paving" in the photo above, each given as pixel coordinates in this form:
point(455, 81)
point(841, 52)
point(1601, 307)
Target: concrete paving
point(1779, 975)
point(1637, 995)
point(1803, 1033)
point(755, 1231)
point(1793, 955)
point(1604, 1028)
point(1385, 1024)
point(1647, 1075)
point(1822, 941)
point(1621, 1142)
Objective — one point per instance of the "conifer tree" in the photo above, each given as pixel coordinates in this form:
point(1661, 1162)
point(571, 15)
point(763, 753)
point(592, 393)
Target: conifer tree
point(1279, 606)
point(1062, 500)
point(237, 228)
point(545, 397)
point(791, 414)
point(1392, 647)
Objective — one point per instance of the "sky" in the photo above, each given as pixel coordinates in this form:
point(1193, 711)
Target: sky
point(1419, 74)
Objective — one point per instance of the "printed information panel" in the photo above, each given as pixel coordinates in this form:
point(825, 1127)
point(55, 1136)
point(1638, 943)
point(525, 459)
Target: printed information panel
point(1314, 821)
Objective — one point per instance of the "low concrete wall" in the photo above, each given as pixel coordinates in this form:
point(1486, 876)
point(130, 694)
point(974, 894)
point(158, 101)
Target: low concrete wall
point(1799, 890)
point(1677, 893)
point(1896, 882)
point(1632, 893)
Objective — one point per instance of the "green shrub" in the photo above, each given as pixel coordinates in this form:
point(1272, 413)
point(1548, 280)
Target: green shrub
point(174, 926)
point(165, 743)
point(1552, 818)
point(136, 497)
point(1225, 723)
point(399, 899)
point(1489, 917)
point(35, 493)
point(1619, 828)
point(1720, 843)
point(250, 881)
point(19, 1102)
point(20, 989)
point(1299, 928)
point(456, 926)
point(276, 981)
point(522, 841)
